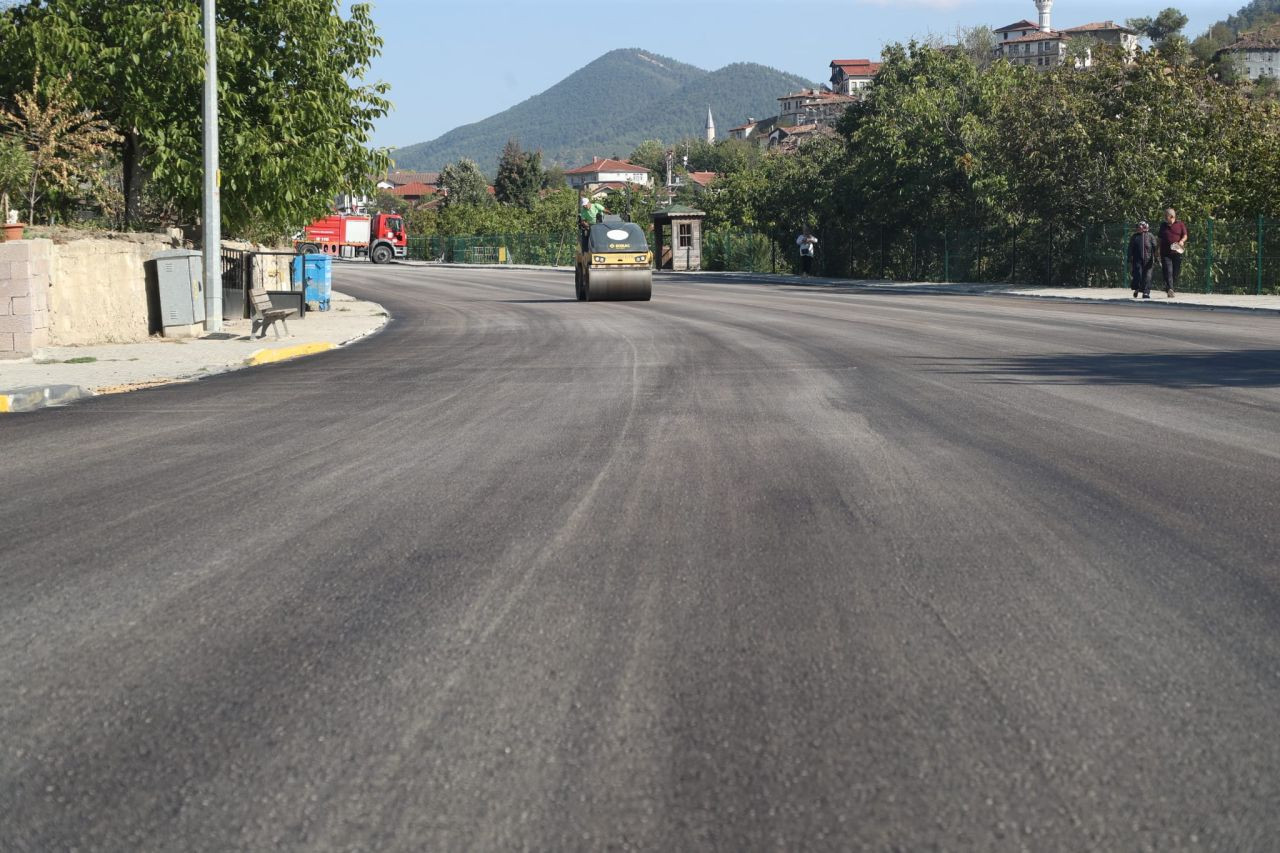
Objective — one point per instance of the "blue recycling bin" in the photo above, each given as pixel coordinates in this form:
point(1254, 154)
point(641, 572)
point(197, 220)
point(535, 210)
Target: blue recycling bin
point(313, 274)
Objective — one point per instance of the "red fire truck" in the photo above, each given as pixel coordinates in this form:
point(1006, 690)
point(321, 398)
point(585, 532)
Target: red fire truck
point(379, 237)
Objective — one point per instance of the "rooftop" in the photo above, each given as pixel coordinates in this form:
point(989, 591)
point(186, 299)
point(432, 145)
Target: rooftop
point(604, 164)
point(1024, 24)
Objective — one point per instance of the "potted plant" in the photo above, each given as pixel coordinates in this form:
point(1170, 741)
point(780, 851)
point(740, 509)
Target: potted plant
point(15, 171)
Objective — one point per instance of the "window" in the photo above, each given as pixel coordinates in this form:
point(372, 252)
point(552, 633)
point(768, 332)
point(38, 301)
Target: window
point(685, 237)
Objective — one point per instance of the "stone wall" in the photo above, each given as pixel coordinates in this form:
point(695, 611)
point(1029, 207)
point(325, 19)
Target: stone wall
point(69, 292)
point(98, 289)
point(24, 289)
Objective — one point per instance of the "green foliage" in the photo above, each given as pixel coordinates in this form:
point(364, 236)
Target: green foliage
point(64, 142)
point(1020, 161)
point(519, 176)
point(295, 114)
point(15, 170)
point(1159, 29)
point(465, 184)
point(609, 107)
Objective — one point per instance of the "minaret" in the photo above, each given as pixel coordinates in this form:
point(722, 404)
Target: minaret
point(711, 127)
point(1043, 7)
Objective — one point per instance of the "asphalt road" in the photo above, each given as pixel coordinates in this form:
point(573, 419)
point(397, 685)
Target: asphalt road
point(747, 567)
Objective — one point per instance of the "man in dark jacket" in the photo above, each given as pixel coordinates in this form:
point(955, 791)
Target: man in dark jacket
point(1173, 242)
point(1142, 258)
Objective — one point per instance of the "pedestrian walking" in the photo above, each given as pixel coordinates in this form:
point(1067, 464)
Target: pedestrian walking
point(1173, 243)
point(1142, 258)
point(806, 242)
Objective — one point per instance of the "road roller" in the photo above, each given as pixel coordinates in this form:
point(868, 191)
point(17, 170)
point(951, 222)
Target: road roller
point(616, 263)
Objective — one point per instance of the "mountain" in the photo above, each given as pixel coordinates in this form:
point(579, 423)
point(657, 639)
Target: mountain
point(608, 107)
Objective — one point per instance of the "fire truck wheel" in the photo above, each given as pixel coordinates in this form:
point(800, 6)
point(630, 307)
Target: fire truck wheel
point(307, 249)
point(381, 254)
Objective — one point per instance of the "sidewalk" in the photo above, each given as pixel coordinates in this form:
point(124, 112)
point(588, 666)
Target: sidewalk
point(56, 375)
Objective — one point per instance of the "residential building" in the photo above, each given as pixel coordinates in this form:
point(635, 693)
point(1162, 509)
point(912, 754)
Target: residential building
point(852, 76)
point(1042, 47)
point(1254, 55)
point(787, 139)
point(401, 177)
point(755, 129)
point(813, 106)
point(1107, 32)
point(603, 170)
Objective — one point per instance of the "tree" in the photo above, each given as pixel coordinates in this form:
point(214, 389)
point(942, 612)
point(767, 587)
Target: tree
point(1160, 29)
point(64, 141)
point(651, 154)
point(553, 177)
point(15, 171)
point(295, 114)
point(519, 176)
point(464, 183)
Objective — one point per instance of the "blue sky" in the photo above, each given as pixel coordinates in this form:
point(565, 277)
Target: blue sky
point(452, 62)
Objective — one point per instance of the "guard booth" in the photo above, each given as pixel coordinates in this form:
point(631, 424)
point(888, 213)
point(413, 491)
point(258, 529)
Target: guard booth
point(677, 237)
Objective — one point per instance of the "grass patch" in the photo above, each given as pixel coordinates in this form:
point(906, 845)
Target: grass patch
point(81, 359)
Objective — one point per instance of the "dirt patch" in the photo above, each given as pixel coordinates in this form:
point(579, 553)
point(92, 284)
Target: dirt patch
point(135, 386)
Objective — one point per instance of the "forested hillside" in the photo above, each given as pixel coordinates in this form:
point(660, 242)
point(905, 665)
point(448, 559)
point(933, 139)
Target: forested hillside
point(608, 107)
point(1257, 15)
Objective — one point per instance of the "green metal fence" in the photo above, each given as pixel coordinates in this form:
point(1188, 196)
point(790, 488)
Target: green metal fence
point(531, 249)
point(1222, 257)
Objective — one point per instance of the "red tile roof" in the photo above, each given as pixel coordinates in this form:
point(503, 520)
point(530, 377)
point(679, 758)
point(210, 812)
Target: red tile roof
point(1099, 25)
point(856, 67)
point(702, 178)
point(1024, 24)
point(604, 164)
point(416, 188)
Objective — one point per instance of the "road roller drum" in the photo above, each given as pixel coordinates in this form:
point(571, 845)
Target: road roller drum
point(616, 264)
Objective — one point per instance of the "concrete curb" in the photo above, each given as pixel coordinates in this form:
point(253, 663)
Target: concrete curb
point(267, 356)
point(1145, 303)
point(30, 399)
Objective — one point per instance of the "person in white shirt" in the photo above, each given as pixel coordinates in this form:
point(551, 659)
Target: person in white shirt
point(806, 242)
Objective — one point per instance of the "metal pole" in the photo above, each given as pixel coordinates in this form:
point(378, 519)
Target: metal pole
point(1258, 292)
point(1208, 262)
point(212, 208)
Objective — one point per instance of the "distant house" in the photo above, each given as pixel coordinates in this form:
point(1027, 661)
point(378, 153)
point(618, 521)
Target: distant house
point(1042, 47)
point(756, 130)
point(787, 139)
point(852, 76)
point(701, 180)
point(403, 177)
point(1254, 55)
point(812, 106)
point(604, 170)
point(1107, 32)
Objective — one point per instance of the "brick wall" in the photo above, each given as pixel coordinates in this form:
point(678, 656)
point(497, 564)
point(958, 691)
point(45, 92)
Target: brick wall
point(24, 294)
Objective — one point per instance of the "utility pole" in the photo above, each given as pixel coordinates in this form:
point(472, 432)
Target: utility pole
point(212, 208)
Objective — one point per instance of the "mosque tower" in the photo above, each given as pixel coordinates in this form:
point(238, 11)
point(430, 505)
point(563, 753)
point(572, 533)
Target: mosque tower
point(1043, 7)
point(711, 123)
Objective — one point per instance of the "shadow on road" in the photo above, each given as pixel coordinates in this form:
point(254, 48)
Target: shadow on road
point(1259, 368)
point(533, 301)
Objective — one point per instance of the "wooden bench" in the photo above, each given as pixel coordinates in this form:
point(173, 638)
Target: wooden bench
point(267, 314)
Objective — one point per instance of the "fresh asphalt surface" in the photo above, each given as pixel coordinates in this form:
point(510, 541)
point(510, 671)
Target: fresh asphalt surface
point(746, 567)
